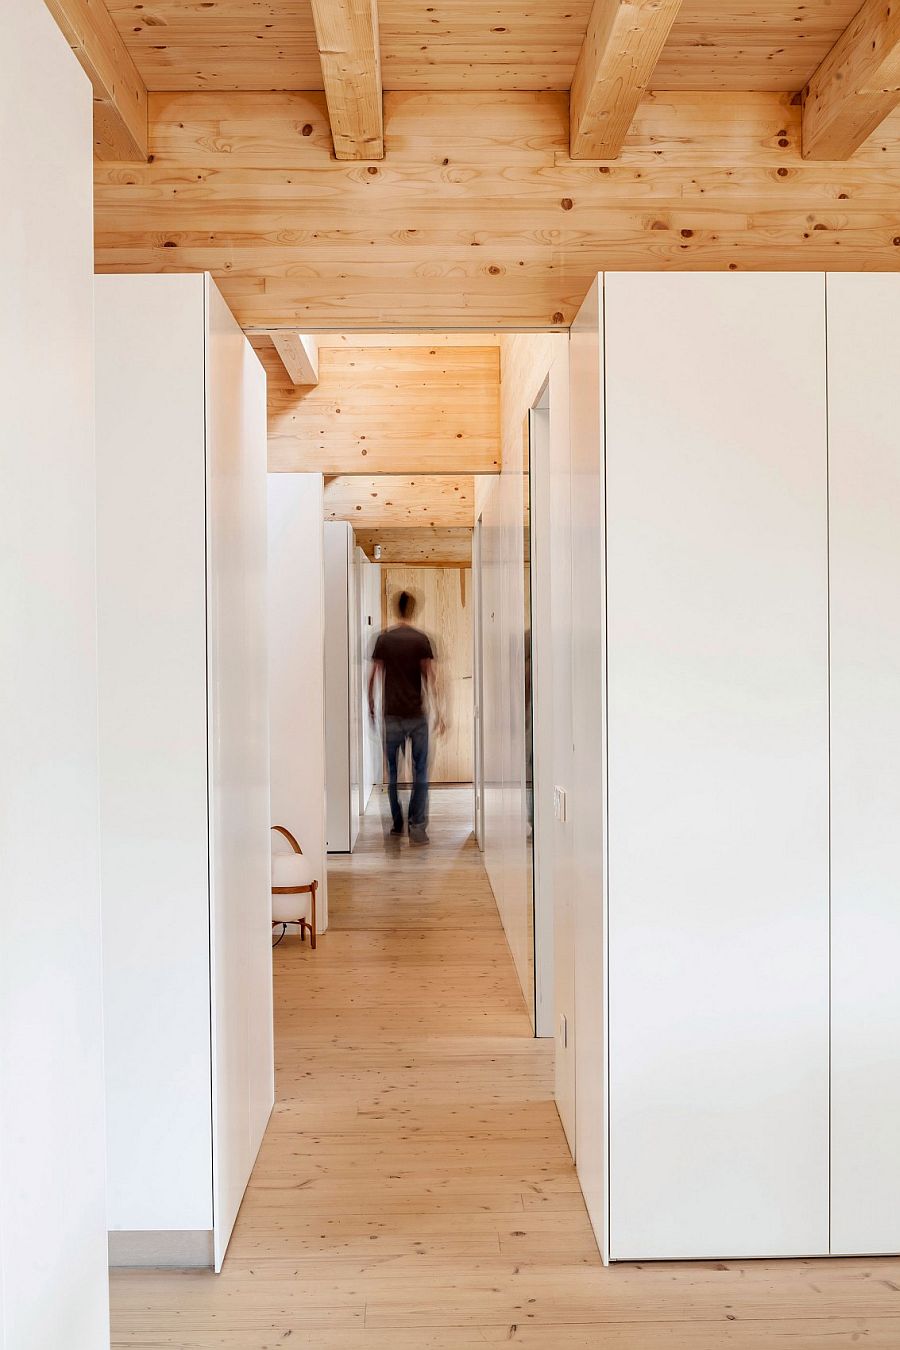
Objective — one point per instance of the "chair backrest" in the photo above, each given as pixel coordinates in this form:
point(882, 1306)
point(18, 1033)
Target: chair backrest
point(282, 829)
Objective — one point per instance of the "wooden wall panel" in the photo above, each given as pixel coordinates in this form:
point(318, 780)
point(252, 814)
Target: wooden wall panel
point(396, 501)
point(477, 215)
point(444, 611)
point(423, 409)
point(430, 547)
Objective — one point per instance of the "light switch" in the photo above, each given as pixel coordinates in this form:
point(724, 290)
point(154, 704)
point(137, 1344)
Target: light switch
point(559, 803)
point(563, 1031)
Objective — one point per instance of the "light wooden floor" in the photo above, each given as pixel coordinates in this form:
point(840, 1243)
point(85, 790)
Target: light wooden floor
point(414, 1191)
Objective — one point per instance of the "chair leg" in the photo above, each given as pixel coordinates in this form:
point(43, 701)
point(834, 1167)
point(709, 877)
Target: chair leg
point(312, 910)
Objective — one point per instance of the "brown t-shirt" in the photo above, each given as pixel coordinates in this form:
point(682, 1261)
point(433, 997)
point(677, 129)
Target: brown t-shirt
point(401, 651)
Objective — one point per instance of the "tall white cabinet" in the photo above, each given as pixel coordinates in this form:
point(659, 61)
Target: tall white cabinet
point(184, 754)
point(342, 689)
point(864, 564)
point(736, 778)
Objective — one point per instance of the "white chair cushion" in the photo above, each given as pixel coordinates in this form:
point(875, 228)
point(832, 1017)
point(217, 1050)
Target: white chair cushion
point(291, 908)
point(291, 869)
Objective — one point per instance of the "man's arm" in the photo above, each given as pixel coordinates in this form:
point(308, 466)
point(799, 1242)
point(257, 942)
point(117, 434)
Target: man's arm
point(432, 684)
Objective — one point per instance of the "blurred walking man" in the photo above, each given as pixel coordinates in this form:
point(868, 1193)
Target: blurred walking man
point(403, 658)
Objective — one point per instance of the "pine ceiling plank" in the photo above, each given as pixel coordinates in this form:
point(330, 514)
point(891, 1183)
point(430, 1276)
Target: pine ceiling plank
point(771, 45)
point(349, 46)
point(120, 95)
point(857, 85)
point(390, 410)
point(479, 218)
point(395, 501)
point(621, 49)
point(419, 547)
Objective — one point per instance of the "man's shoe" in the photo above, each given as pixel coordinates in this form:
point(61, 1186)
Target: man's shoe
point(396, 830)
point(418, 835)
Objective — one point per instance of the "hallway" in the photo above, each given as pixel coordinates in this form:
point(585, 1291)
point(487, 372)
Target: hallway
point(414, 1190)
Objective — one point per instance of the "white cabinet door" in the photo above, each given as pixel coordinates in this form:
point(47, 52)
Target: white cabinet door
point(240, 839)
point(717, 765)
point(864, 463)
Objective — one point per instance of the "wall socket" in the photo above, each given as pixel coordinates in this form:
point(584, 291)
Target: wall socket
point(559, 803)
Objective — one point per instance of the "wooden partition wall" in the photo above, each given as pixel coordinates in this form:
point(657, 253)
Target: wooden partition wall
point(444, 611)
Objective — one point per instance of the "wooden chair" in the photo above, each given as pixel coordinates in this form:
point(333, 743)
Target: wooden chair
point(294, 879)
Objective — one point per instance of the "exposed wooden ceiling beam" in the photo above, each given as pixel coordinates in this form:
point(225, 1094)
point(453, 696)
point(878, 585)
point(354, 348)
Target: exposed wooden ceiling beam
point(120, 95)
point(396, 501)
point(349, 47)
point(622, 46)
point(856, 86)
point(299, 353)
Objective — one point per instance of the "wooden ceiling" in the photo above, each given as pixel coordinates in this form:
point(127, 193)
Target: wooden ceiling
point(466, 44)
point(518, 149)
point(433, 408)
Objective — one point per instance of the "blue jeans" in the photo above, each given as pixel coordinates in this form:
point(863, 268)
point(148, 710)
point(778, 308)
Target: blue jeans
point(397, 731)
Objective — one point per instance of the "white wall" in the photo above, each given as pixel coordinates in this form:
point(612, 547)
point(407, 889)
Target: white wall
point(342, 696)
point(553, 501)
point(584, 841)
point(864, 499)
point(53, 1283)
point(500, 500)
point(499, 503)
point(297, 666)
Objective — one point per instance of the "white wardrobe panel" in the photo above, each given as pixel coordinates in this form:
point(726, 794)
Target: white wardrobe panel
point(240, 838)
point(297, 665)
point(864, 464)
point(586, 792)
point(53, 1279)
point(717, 765)
point(153, 711)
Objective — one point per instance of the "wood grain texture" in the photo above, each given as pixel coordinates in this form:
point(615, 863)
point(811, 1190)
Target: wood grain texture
point(390, 410)
point(298, 354)
point(120, 95)
point(395, 501)
point(478, 215)
point(428, 547)
point(619, 55)
point(414, 1190)
point(444, 612)
point(349, 48)
point(749, 44)
point(466, 44)
point(857, 85)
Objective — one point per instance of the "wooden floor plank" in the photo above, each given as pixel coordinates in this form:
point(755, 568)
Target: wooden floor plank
point(414, 1190)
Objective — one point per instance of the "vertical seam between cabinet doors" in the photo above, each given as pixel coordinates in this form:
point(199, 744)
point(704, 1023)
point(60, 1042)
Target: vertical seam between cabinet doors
point(604, 752)
point(828, 736)
point(210, 840)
